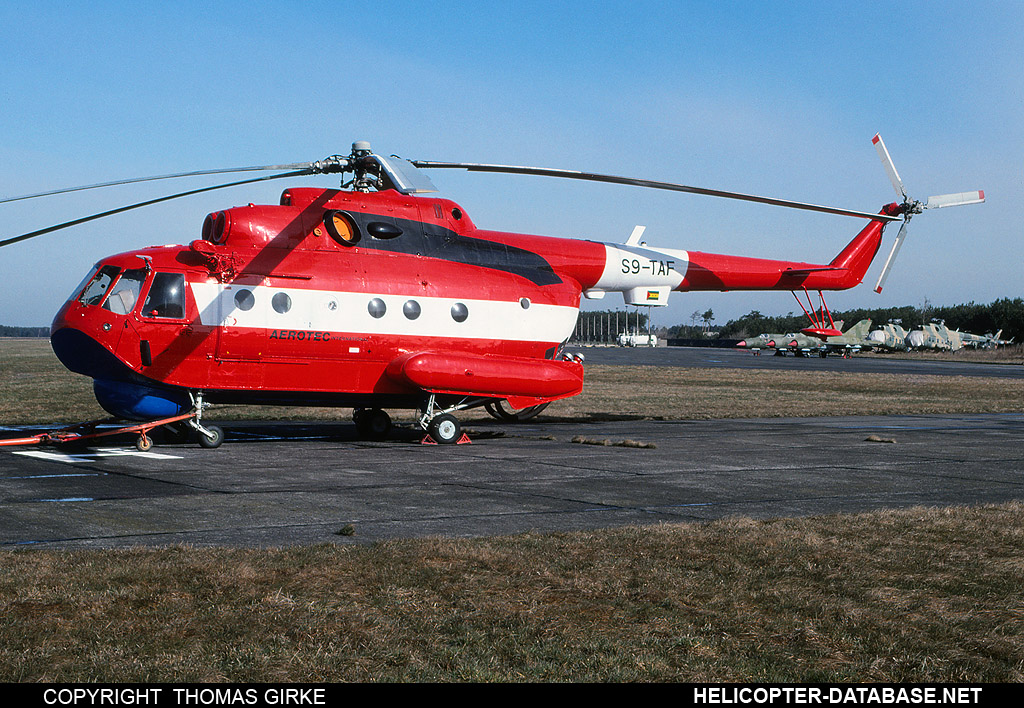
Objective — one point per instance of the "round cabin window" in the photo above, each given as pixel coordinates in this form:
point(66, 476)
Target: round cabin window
point(376, 308)
point(281, 302)
point(411, 309)
point(460, 312)
point(245, 300)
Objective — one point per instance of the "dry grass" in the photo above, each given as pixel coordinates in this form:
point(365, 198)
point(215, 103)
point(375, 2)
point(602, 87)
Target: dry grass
point(915, 595)
point(1010, 354)
point(35, 388)
point(689, 394)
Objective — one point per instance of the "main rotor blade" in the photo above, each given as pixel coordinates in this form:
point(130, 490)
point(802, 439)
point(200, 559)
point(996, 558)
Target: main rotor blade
point(613, 179)
point(76, 222)
point(890, 167)
point(892, 257)
point(135, 180)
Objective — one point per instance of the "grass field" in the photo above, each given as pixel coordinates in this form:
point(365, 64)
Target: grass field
point(929, 595)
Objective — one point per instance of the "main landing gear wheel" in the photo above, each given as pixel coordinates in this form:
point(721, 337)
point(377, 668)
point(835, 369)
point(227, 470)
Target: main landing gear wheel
point(445, 429)
point(372, 423)
point(211, 438)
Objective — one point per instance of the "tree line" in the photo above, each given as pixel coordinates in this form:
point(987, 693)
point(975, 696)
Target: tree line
point(6, 331)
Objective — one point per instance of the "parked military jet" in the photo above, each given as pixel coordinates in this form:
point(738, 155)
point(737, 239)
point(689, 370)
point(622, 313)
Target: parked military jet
point(853, 340)
point(985, 341)
point(793, 342)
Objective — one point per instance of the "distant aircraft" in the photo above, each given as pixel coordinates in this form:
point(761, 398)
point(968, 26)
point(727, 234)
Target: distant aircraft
point(985, 341)
point(939, 336)
point(935, 336)
point(793, 342)
point(891, 337)
point(853, 340)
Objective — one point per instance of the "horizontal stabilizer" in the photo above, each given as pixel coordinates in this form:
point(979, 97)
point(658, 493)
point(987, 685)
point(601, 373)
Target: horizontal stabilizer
point(808, 271)
point(821, 332)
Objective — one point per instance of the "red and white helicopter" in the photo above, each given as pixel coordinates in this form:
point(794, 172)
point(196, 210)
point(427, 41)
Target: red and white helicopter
point(375, 297)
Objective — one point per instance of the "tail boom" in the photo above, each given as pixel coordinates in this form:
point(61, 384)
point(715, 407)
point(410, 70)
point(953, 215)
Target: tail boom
point(708, 271)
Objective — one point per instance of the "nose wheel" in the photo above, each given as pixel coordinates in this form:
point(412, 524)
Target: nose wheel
point(210, 436)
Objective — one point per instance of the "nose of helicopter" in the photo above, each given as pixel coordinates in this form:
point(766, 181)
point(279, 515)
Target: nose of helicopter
point(81, 353)
point(87, 347)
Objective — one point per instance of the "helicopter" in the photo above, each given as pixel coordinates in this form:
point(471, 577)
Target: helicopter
point(373, 296)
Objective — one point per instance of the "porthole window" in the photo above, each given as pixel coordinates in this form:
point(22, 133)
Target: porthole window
point(281, 303)
point(376, 308)
point(244, 300)
point(460, 312)
point(524, 302)
point(411, 309)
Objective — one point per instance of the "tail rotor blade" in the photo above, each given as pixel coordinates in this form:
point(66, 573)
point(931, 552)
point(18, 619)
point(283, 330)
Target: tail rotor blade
point(892, 257)
point(958, 199)
point(890, 168)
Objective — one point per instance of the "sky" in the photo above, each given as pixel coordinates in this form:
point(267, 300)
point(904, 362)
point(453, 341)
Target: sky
point(779, 99)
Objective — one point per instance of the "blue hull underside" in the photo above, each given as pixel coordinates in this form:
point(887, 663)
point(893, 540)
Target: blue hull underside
point(120, 391)
point(132, 401)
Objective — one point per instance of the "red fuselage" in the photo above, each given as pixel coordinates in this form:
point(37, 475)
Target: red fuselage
point(273, 306)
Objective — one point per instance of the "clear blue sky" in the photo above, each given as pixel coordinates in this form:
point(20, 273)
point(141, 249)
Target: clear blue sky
point(778, 98)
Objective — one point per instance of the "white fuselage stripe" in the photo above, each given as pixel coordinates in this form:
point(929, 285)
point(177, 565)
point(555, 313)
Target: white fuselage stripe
point(270, 307)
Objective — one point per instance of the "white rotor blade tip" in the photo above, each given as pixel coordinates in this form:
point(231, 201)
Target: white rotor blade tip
point(890, 168)
point(892, 258)
point(958, 199)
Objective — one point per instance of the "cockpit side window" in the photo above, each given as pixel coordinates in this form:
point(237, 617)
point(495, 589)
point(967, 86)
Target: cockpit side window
point(166, 296)
point(97, 288)
point(85, 281)
point(125, 292)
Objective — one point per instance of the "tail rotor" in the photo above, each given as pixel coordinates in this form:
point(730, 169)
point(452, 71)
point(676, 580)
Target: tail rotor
point(908, 207)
